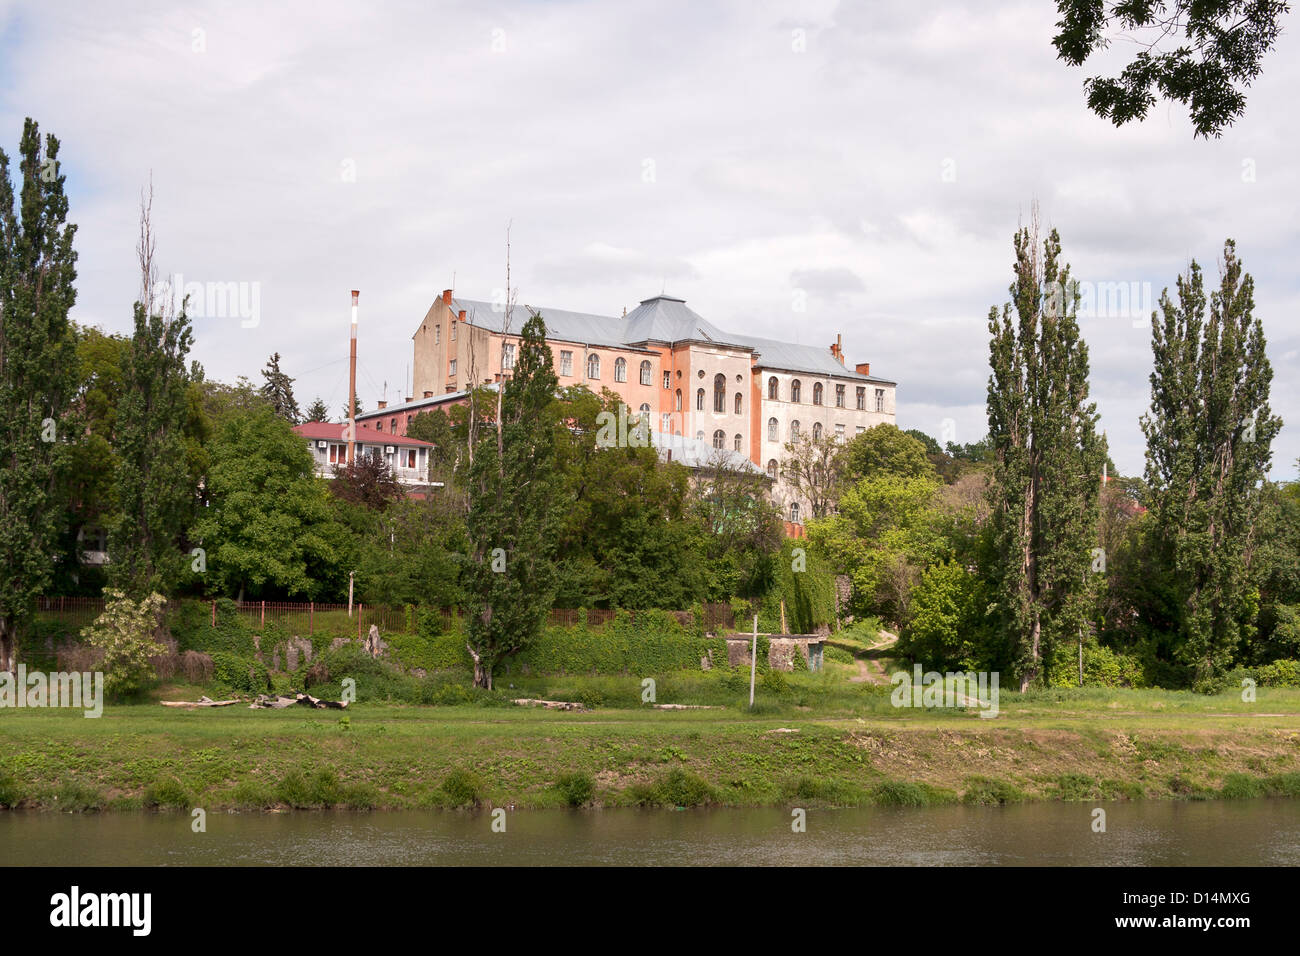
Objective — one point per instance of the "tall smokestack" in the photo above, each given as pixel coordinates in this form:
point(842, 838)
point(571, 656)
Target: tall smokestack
point(352, 383)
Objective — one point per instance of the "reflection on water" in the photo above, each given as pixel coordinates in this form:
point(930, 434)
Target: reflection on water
point(1225, 833)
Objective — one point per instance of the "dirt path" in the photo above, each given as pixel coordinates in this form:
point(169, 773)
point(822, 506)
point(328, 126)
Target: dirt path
point(870, 670)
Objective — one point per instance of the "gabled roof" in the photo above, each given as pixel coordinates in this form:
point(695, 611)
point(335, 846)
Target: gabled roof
point(335, 431)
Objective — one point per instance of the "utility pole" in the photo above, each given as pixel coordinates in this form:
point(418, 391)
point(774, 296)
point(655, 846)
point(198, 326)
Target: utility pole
point(350, 574)
point(352, 395)
point(753, 662)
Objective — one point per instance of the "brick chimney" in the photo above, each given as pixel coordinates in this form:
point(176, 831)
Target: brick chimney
point(428, 394)
point(410, 398)
point(863, 368)
point(461, 317)
point(446, 297)
point(383, 404)
point(837, 348)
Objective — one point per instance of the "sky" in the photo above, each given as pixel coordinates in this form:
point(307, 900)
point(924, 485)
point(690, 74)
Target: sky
point(792, 170)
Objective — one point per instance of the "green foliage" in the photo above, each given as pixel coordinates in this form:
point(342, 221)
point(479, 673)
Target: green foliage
point(1216, 53)
point(577, 789)
point(126, 631)
point(1048, 460)
point(987, 792)
point(886, 450)
point(278, 391)
point(947, 620)
point(1209, 416)
point(319, 789)
point(648, 643)
point(168, 793)
point(268, 527)
point(678, 788)
point(37, 375)
point(461, 788)
point(240, 673)
point(802, 577)
point(11, 793)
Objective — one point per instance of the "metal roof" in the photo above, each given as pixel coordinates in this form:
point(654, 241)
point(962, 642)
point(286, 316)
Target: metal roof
point(694, 453)
point(561, 324)
point(802, 358)
point(666, 319)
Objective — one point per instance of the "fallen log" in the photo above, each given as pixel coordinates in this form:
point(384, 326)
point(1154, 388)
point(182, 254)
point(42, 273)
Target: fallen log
point(308, 701)
point(550, 704)
point(205, 702)
point(688, 707)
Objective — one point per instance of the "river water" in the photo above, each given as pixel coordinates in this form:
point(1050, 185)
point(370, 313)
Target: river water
point(1221, 833)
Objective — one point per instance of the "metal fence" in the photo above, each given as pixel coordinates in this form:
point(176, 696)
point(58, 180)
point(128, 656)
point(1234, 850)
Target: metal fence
point(304, 616)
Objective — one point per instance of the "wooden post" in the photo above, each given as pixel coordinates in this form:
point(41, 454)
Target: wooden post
point(350, 574)
point(784, 628)
point(753, 662)
point(360, 608)
point(214, 613)
point(263, 614)
point(311, 619)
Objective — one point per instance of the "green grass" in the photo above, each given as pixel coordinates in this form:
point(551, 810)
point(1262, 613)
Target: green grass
point(817, 741)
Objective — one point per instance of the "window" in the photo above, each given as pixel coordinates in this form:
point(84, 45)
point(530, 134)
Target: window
point(437, 335)
point(860, 429)
point(817, 430)
point(880, 399)
point(699, 400)
point(862, 399)
point(794, 511)
point(666, 423)
point(772, 427)
point(738, 402)
point(719, 393)
point(794, 391)
point(507, 356)
point(773, 388)
point(699, 436)
point(453, 331)
point(839, 396)
point(334, 454)
point(817, 393)
point(839, 434)
point(771, 468)
point(794, 430)
point(738, 442)
point(410, 458)
point(566, 363)
point(593, 366)
point(620, 369)
point(668, 379)
point(677, 401)
point(379, 425)
point(646, 373)
point(645, 406)
point(392, 425)
point(719, 439)
point(451, 369)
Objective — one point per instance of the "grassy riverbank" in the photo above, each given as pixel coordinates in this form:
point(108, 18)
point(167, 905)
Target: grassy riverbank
point(819, 741)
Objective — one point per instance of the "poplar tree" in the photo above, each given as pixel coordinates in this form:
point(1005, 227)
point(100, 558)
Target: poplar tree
point(154, 491)
point(513, 512)
point(1209, 444)
point(1048, 457)
point(37, 374)
point(278, 390)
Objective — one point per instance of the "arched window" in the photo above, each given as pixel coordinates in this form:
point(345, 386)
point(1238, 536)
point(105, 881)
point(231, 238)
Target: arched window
point(738, 442)
point(739, 399)
point(771, 468)
point(794, 430)
point(677, 402)
point(719, 393)
point(794, 391)
point(645, 373)
point(817, 430)
point(719, 439)
point(817, 393)
point(772, 427)
point(645, 406)
point(794, 511)
point(593, 366)
point(699, 436)
point(773, 388)
point(620, 370)
point(699, 400)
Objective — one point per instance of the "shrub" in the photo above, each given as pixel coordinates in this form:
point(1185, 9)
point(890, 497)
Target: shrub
point(299, 791)
point(252, 795)
point(74, 797)
point(1240, 786)
point(197, 667)
point(898, 793)
point(167, 793)
point(986, 792)
point(838, 654)
point(576, 788)
point(240, 673)
point(679, 788)
point(461, 789)
point(127, 631)
point(10, 791)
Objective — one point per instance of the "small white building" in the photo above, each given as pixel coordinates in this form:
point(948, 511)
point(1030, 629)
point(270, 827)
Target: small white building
point(408, 458)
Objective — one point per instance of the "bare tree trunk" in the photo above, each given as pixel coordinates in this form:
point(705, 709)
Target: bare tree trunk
point(6, 644)
point(482, 674)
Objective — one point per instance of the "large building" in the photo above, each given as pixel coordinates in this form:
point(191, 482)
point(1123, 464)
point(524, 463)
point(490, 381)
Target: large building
point(737, 392)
